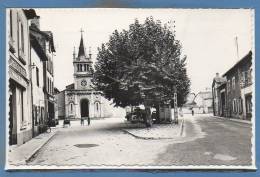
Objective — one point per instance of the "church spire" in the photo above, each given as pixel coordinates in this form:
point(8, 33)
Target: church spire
point(81, 46)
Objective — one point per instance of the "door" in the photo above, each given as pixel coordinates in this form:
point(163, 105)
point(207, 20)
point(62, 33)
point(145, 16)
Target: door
point(248, 106)
point(12, 116)
point(84, 108)
point(223, 101)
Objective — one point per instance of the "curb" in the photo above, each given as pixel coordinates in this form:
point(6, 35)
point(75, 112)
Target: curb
point(36, 151)
point(182, 127)
point(233, 120)
point(152, 138)
point(140, 137)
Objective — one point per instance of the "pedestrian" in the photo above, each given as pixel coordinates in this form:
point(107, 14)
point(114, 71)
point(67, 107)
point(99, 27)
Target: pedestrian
point(192, 112)
point(88, 121)
point(82, 121)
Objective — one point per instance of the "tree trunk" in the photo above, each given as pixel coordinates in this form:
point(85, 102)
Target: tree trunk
point(148, 117)
point(157, 113)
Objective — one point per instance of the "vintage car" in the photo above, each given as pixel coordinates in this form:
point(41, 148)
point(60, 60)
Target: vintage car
point(137, 115)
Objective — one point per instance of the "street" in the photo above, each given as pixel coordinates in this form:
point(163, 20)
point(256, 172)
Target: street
point(206, 141)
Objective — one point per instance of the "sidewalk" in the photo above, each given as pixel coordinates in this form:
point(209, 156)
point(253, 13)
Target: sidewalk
point(158, 131)
point(234, 120)
point(20, 155)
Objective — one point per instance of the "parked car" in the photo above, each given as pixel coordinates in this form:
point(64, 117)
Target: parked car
point(138, 115)
point(52, 123)
point(66, 122)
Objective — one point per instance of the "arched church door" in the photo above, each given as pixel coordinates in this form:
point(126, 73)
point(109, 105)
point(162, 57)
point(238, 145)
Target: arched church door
point(84, 108)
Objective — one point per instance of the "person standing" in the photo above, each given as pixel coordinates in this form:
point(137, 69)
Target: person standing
point(82, 121)
point(88, 121)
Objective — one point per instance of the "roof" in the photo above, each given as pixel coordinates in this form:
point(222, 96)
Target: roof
point(30, 13)
point(81, 48)
point(47, 34)
point(222, 85)
point(220, 79)
point(71, 86)
point(246, 57)
point(38, 48)
point(56, 90)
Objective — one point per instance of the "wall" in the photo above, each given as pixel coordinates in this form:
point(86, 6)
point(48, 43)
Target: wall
point(60, 97)
point(73, 98)
point(19, 74)
point(38, 94)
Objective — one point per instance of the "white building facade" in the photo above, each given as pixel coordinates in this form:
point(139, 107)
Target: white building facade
point(38, 105)
point(81, 100)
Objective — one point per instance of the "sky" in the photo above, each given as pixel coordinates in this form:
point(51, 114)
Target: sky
point(207, 36)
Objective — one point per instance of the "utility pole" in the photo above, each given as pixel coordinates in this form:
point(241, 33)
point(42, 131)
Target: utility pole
point(236, 43)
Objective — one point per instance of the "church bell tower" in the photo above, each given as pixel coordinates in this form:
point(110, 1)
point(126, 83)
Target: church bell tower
point(83, 71)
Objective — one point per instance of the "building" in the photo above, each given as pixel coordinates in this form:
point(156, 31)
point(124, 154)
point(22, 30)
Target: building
point(80, 99)
point(42, 49)
point(204, 101)
point(49, 76)
point(200, 103)
point(235, 94)
point(19, 71)
point(38, 105)
point(217, 81)
point(60, 99)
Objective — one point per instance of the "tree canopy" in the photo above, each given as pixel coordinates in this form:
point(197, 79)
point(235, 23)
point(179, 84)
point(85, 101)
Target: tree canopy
point(142, 63)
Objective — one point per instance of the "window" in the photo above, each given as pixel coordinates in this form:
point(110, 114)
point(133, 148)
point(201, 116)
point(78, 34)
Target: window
point(52, 88)
point(228, 85)
point(240, 106)
point(233, 82)
point(234, 106)
point(35, 114)
point(97, 106)
point(87, 67)
point(246, 78)
point(22, 117)
point(77, 67)
point(11, 23)
point(48, 84)
point(22, 37)
point(250, 76)
point(249, 104)
point(47, 46)
point(71, 108)
point(42, 114)
point(242, 79)
point(37, 76)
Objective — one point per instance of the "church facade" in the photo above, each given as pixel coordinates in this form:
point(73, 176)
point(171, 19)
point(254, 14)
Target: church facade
point(81, 100)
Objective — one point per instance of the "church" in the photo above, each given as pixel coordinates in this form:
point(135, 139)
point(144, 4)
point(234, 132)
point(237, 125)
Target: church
point(80, 99)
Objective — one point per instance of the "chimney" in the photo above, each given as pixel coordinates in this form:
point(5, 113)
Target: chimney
point(33, 17)
point(36, 21)
point(217, 74)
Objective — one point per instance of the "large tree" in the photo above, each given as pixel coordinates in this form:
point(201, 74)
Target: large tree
point(142, 65)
